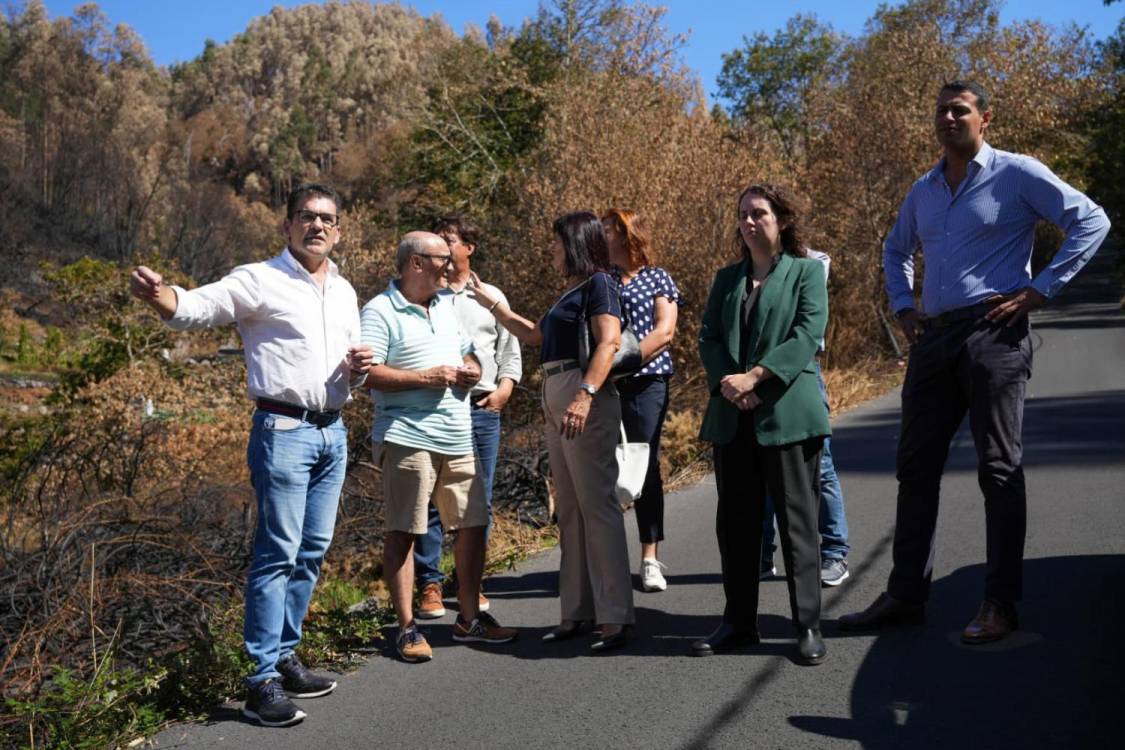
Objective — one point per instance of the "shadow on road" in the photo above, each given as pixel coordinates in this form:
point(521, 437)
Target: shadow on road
point(1072, 430)
point(1055, 683)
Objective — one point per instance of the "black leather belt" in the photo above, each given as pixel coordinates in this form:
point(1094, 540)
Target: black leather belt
point(949, 317)
point(557, 367)
point(319, 418)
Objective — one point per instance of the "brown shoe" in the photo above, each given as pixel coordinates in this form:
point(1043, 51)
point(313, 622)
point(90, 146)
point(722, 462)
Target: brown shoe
point(430, 605)
point(994, 620)
point(484, 629)
point(886, 610)
point(412, 645)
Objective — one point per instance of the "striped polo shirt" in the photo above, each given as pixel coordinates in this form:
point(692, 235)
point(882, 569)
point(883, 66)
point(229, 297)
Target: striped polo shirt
point(401, 335)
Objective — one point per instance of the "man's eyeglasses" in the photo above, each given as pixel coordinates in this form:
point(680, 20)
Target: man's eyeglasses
point(330, 221)
point(445, 259)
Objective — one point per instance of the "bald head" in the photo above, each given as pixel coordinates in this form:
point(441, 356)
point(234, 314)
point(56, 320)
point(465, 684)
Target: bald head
point(418, 243)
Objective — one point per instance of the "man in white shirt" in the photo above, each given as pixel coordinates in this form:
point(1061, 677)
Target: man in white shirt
point(501, 368)
point(299, 322)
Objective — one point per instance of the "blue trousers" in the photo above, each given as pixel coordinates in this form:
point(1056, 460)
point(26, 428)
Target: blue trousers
point(427, 547)
point(297, 470)
point(833, 522)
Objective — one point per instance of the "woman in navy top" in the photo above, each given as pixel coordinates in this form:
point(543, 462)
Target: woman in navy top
point(651, 302)
point(582, 416)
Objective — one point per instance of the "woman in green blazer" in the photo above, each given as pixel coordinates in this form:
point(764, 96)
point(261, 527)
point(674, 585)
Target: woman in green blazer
point(764, 320)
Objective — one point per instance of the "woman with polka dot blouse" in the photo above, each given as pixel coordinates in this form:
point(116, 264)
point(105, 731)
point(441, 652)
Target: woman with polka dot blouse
point(650, 300)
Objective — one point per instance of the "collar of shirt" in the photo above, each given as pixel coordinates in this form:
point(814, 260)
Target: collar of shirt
point(402, 304)
point(290, 260)
point(982, 160)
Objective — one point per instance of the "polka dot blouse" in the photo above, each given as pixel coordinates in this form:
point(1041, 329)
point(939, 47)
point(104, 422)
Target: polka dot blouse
point(638, 297)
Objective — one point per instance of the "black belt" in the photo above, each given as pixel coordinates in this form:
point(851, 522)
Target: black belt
point(555, 369)
point(475, 397)
point(319, 418)
point(949, 317)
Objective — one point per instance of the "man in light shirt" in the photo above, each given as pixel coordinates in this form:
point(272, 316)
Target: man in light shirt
point(498, 352)
point(422, 372)
point(974, 215)
point(299, 322)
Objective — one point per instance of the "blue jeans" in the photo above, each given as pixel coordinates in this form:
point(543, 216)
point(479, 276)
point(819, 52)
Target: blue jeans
point(297, 473)
point(833, 523)
point(427, 547)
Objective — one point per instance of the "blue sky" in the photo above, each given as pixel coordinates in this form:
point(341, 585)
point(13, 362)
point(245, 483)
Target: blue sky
point(175, 30)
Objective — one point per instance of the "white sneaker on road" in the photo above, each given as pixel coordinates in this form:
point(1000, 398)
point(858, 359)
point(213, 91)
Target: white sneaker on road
point(651, 577)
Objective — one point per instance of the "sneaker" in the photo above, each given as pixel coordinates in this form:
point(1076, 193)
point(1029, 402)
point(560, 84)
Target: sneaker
point(833, 572)
point(482, 603)
point(430, 605)
point(412, 645)
point(266, 704)
point(300, 682)
point(651, 577)
point(767, 570)
point(484, 629)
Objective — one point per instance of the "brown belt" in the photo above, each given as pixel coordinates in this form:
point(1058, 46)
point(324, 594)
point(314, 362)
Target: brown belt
point(319, 418)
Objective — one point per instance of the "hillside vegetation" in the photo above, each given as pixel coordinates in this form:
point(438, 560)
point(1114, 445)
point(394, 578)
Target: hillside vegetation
point(125, 510)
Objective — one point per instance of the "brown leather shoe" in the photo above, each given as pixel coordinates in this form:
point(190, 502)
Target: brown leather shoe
point(994, 620)
point(886, 610)
point(430, 604)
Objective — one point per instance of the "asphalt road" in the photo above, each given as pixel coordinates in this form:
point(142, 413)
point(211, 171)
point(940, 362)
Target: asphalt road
point(1054, 684)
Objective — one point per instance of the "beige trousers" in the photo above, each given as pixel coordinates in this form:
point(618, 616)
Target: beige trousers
point(594, 578)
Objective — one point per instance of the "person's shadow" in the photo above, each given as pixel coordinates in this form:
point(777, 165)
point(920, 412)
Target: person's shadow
point(1055, 683)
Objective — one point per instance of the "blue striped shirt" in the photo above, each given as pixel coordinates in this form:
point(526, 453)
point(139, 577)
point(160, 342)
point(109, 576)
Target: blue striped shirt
point(977, 241)
point(401, 335)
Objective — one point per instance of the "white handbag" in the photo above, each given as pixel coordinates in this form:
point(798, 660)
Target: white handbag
point(632, 466)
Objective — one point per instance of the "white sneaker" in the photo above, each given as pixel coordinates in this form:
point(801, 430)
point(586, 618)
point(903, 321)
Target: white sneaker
point(651, 577)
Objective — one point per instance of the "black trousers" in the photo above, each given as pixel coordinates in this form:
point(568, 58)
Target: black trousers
point(746, 474)
point(644, 403)
point(977, 367)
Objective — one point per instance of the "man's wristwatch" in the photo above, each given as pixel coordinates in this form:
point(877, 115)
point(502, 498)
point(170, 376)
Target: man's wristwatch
point(588, 388)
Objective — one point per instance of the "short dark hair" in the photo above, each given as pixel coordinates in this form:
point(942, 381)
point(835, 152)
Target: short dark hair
point(468, 232)
point(583, 241)
point(972, 87)
point(301, 193)
point(788, 208)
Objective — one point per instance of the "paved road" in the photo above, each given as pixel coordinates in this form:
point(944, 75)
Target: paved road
point(1055, 684)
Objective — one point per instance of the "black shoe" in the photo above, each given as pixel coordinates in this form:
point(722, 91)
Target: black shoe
point(810, 647)
point(886, 610)
point(564, 633)
point(266, 704)
point(725, 638)
point(610, 642)
point(300, 682)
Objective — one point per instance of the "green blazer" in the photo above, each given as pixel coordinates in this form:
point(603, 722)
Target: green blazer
point(787, 328)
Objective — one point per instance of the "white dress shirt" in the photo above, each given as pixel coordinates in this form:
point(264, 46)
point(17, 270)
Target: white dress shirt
point(295, 338)
point(496, 348)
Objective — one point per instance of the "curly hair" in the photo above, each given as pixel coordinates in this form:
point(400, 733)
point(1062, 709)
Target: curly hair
point(637, 239)
point(787, 207)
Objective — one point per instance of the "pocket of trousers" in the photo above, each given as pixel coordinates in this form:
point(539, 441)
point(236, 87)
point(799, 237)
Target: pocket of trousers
point(281, 423)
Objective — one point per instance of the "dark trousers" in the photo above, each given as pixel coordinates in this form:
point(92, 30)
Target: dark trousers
point(746, 474)
point(644, 403)
point(977, 367)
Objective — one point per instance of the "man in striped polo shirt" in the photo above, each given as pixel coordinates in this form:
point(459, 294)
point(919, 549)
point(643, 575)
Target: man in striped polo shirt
point(422, 372)
point(974, 216)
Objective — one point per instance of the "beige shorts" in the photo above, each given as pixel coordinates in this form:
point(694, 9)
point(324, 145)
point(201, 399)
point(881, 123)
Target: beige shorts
point(415, 477)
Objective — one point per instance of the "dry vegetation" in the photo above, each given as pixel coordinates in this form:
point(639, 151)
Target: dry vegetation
point(126, 533)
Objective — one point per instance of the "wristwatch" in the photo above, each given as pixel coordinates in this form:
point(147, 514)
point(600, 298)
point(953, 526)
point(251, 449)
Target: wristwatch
point(588, 388)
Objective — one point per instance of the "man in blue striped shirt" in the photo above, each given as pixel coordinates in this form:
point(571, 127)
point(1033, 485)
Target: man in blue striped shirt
point(974, 216)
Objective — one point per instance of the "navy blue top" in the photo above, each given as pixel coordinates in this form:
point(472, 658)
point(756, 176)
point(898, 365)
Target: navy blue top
point(560, 325)
point(639, 299)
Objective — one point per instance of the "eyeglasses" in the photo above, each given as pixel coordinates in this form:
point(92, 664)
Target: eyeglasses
point(445, 259)
point(330, 221)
